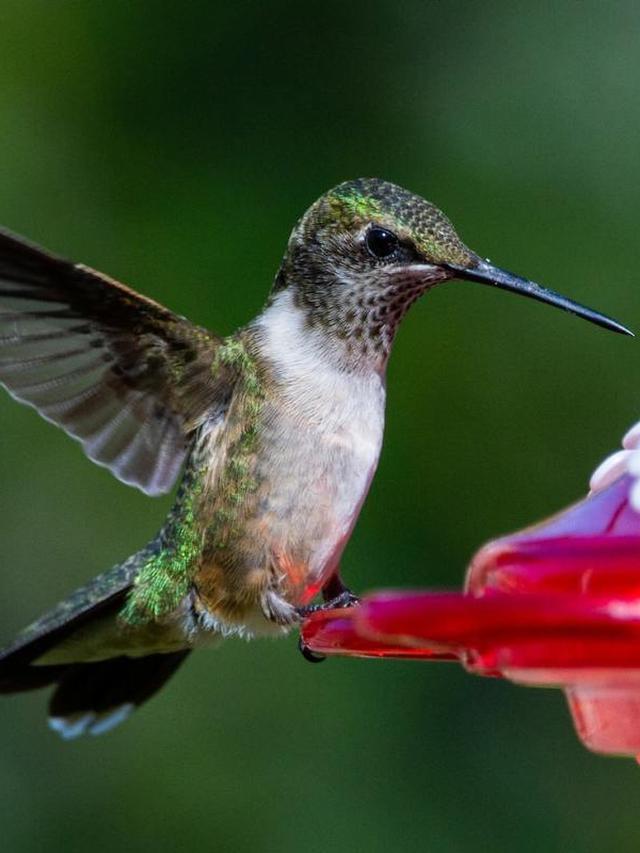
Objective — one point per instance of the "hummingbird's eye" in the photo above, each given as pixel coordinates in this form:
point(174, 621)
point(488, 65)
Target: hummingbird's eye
point(381, 243)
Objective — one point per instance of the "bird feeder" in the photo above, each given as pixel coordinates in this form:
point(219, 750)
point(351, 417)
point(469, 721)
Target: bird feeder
point(556, 605)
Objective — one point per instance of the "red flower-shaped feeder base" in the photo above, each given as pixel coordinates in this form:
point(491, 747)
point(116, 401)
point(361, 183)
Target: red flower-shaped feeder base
point(557, 605)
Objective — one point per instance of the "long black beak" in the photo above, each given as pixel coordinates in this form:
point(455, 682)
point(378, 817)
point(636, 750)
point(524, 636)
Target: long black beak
point(486, 273)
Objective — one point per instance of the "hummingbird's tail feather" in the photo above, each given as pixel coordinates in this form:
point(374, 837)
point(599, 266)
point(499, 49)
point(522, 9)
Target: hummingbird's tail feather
point(93, 698)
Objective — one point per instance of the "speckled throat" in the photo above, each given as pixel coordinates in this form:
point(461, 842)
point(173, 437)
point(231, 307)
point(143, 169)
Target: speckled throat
point(359, 315)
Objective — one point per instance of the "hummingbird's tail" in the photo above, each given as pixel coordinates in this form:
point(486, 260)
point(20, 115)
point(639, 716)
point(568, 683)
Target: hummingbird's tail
point(90, 697)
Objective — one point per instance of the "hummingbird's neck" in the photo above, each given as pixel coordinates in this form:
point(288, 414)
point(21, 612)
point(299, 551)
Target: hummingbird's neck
point(339, 343)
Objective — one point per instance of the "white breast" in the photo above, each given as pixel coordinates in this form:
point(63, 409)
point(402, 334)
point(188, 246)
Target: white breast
point(345, 408)
point(329, 423)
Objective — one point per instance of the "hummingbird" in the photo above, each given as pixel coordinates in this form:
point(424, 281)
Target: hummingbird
point(274, 432)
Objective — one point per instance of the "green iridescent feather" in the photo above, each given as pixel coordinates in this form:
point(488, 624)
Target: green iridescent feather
point(237, 480)
point(165, 578)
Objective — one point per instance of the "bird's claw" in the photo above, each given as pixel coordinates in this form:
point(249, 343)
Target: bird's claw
point(346, 598)
point(308, 654)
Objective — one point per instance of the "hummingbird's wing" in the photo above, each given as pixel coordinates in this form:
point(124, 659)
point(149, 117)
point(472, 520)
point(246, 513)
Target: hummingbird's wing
point(122, 374)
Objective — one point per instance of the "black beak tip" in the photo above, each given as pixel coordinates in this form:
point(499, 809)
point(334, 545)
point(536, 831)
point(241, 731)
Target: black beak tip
point(624, 331)
point(485, 273)
point(604, 322)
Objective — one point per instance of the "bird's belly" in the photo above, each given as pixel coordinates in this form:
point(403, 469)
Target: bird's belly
point(312, 497)
point(306, 546)
point(319, 439)
point(310, 487)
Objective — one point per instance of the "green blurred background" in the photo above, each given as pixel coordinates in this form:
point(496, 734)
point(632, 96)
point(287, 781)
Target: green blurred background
point(174, 147)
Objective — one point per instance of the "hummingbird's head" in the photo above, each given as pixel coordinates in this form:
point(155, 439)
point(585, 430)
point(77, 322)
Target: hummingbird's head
point(367, 249)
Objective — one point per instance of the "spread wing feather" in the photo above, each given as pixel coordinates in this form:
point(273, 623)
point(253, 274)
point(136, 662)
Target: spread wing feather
point(122, 374)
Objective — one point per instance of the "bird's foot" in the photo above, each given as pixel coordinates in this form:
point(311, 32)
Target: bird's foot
point(278, 610)
point(345, 598)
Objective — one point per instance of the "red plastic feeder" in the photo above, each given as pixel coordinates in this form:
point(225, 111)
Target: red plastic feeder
point(555, 605)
